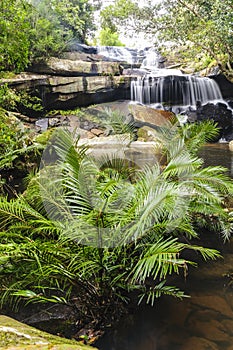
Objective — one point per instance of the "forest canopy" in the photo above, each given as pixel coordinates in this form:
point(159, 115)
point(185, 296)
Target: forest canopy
point(197, 27)
point(32, 30)
point(36, 29)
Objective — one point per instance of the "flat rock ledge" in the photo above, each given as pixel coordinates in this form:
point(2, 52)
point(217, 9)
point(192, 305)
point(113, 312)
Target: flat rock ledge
point(15, 335)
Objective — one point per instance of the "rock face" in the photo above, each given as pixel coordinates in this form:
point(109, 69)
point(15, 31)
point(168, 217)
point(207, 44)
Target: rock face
point(67, 92)
point(70, 92)
point(18, 336)
point(225, 85)
point(76, 67)
point(77, 80)
point(221, 114)
point(84, 77)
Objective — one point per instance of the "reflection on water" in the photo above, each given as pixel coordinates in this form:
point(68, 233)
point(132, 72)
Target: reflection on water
point(202, 322)
point(218, 154)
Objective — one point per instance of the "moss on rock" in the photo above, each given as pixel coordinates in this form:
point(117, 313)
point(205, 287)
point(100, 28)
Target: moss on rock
point(15, 335)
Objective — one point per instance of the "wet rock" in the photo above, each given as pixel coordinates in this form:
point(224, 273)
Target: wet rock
point(42, 124)
point(213, 302)
point(88, 125)
point(191, 116)
point(218, 269)
point(219, 113)
point(202, 315)
point(77, 47)
point(73, 89)
point(53, 122)
point(212, 330)
point(230, 347)
point(110, 142)
point(197, 343)
point(146, 134)
point(18, 336)
point(144, 115)
point(82, 134)
point(97, 132)
point(229, 295)
point(225, 85)
point(228, 324)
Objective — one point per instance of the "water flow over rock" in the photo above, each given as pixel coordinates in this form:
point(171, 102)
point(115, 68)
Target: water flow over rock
point(148, 57)
point(183, 90)
point(197, 98)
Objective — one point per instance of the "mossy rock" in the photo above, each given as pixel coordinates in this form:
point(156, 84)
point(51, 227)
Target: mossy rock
point(18, 336)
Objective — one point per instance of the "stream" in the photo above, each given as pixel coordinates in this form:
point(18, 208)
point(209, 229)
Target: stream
point(202, 321)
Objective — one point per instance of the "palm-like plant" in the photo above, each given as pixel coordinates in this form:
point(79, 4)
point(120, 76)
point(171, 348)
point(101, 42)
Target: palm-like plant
point(88, 231)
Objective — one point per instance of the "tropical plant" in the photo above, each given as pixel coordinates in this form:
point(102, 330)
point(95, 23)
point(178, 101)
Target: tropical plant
point(197, 134)
point(89, 230)
point(117, 123)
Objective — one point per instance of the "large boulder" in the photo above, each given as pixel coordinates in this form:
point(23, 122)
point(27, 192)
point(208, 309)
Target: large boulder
point(225, 85)
point(144, 115)
point(219, 113)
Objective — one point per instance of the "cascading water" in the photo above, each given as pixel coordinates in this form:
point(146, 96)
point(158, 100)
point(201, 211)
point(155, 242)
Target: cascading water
point(183, 90)
point(144, 57)
point(118, 53)
point(189, 97)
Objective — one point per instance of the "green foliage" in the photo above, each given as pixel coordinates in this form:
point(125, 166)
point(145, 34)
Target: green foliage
point(13, 100)
point(47, 38)
point(116, 123)
point(15, 142)
point(8, 97)
point(35, 30)
point(27, 101)
point(54, 25)
point(109, 38)
point(194, 22)
point(120, 11)
point(14, 40)
point(207, 132)
point(87, 231)
point(75, 15)
point(189, 25)
point(11, 133)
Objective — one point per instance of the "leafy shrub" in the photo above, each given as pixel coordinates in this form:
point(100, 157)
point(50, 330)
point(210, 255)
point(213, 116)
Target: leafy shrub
point(8, 97)
point(87, 233)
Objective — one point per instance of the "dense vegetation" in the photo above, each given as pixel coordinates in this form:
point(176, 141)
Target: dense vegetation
point(34, 30)
point(193, 28)
point(90, 232)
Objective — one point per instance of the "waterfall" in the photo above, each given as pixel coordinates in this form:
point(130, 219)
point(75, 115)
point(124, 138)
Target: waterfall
point(147, 57)
point(183, 90)
point(118, 53)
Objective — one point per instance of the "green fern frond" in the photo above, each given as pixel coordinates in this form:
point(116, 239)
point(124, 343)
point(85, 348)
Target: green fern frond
point(157, 291)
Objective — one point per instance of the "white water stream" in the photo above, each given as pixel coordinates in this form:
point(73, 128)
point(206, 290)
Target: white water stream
point(184, 90)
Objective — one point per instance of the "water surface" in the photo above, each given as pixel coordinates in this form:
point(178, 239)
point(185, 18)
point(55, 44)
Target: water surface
point(202, 322)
